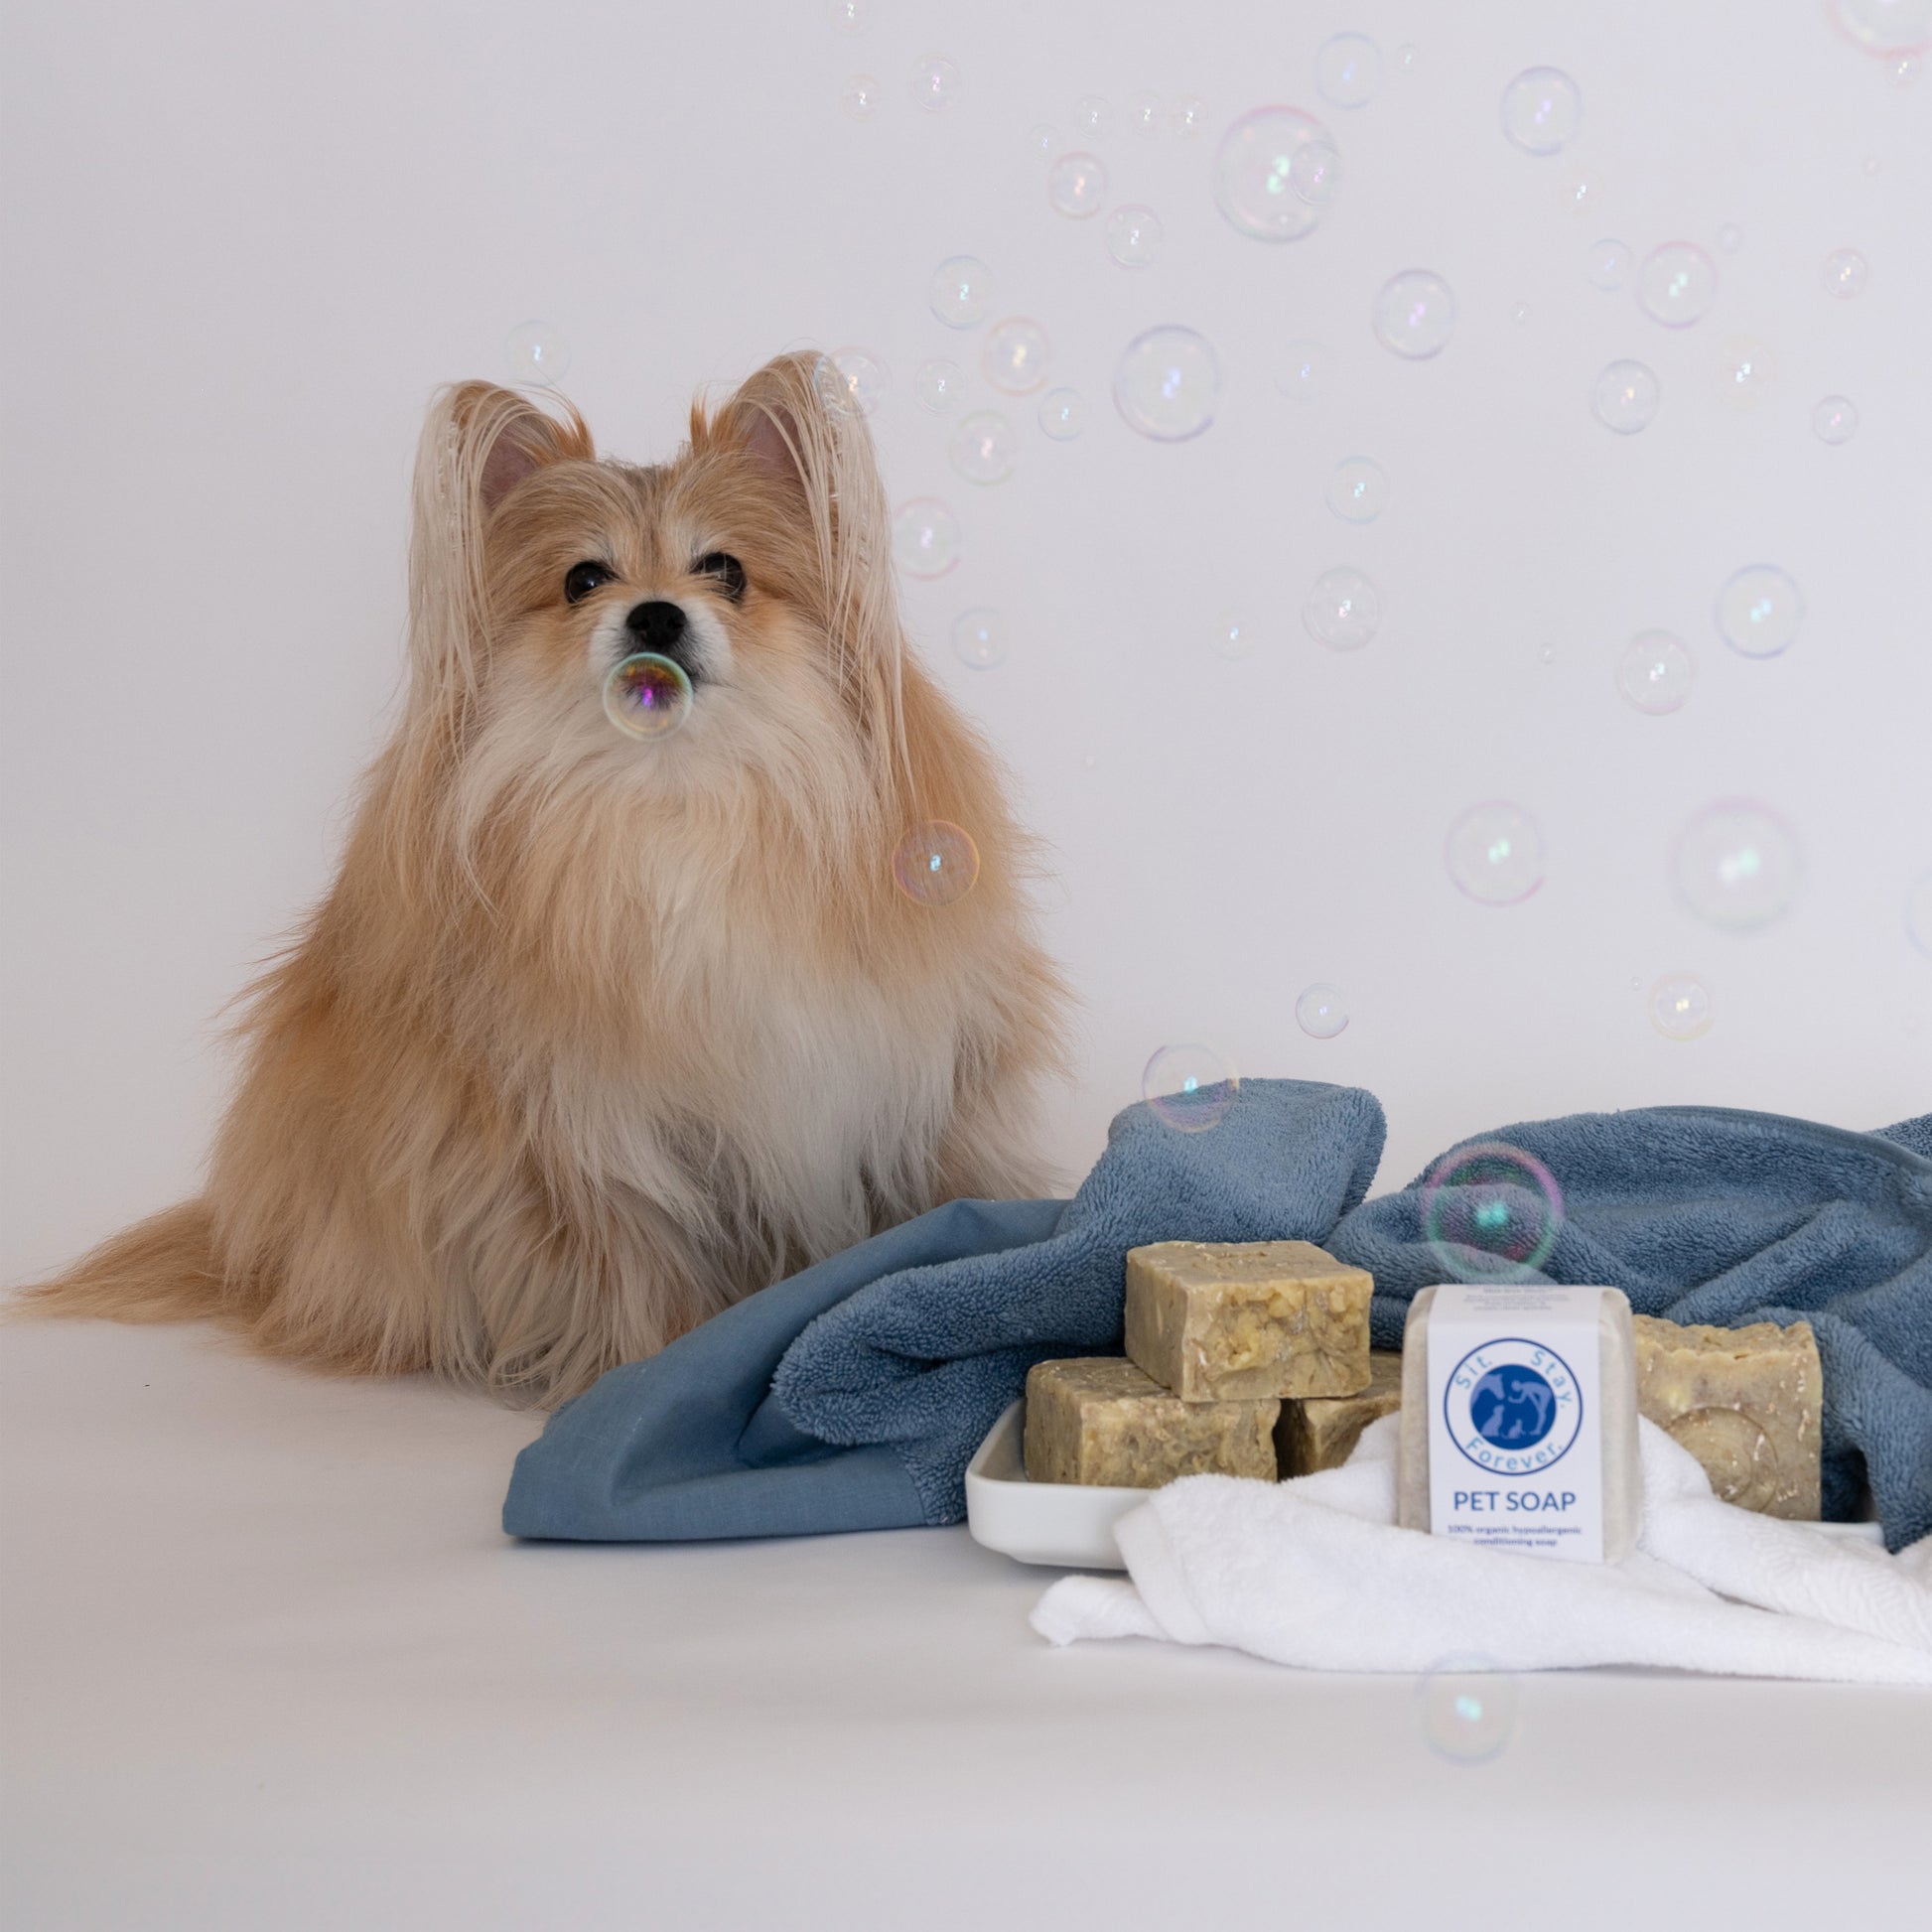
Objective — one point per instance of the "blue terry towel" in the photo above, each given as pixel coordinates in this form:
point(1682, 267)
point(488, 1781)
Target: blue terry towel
point(852, 1395)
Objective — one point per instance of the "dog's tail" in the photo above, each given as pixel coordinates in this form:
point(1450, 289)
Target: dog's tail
point(162, 1269)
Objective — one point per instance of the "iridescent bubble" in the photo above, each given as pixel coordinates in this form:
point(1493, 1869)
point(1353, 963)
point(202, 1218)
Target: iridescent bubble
point(1253, 174)
point(1232, 634)
point(1168, 383)
point(1094, 117)
point(1358, 492)
point(939, 383)
point(851, 382)
point(1015, 355)
point(849, 16)
point(979, 638)
point(1624, 396)
point(1494, 853)
point(1076, 185)
point(1490, 1212)
point(1044, 138)
point(925, 537)
point(1414, 313)
point(538, 352)
point(1189, 116)
point(1655, 672)
point(1676, 284)
point(1467, 1706)
point(1608, 264)
point(1144, 115)
point(1190, 1088)
point(1835, 420)
point(1760, 610)
point(859, 96)
point(936, 863)
point(1406, 58)
point(1737, 865)
point(1583, 193)
point(1885, 26)
point(936, 82)
point(1342, 609)
point(960, 290)
point(1307, 370)
point(1918, 913)
point(1542, 110)
point(1347, 70)
point(1681, 1007)
point(1062, 414)
point(984, 448)
point(1315, 173)
point(1322, 1012)
point(1133, 235)
point(1747, 369)
point(1845, 273)
point(647, 696)
point(1730, 237)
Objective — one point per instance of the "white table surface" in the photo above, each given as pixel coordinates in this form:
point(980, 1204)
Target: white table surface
point(270, 1663)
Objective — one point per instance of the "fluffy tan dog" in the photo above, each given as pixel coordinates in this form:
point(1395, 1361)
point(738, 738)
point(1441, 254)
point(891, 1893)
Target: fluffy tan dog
point(593, 1037)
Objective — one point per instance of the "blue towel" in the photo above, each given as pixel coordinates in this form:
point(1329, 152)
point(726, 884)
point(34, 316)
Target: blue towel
point(852, 1395)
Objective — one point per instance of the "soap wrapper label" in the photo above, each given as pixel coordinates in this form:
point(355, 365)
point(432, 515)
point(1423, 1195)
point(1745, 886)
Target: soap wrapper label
point(1515, 1419)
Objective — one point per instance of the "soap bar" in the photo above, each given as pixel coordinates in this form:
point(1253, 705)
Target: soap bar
point(1236, 1321)
point(1541, 1456)
point(1322, 1431)
point(1745, 1401)
point(1100, 1420)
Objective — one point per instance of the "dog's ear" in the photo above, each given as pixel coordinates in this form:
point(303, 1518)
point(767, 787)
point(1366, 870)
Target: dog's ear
point(478, 443)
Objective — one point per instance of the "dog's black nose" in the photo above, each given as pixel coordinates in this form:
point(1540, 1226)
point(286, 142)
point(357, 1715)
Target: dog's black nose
point(657, 625)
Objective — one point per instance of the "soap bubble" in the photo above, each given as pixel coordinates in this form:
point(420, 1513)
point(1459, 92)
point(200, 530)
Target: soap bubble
point(939, 383)
point(1347, 70)
point(1490, 1212)
point(1015, 355)
point(1405, 56)
point(1094, 116)
point(925, 537)
point(1062, 414)
point(1307, 370)
point(936, 82)
point(1144, 115)
point(1681, 1007)
point(1044, 139)
point(850, 382)
point(1414, 313)
point(936, 863)
point(1190, 1088)
point(1655, 671)
point(1737, 865)
point(1918, 913)
point(1542, 110)
point(1608, 264)
point(1358, 492)
point(1583, 192)
point(1315, 173)
point(1624, 396)
point(1494, 853)
point(537, 353)
point(849, 16)
point(1342, 609)
point(1730, 237)
point(961, 287)
point(1133, 235)
point(1845, 273)
point(1760, 610)
point(979, 638)
point(1885, 26)
point(1232, 634)
point(1168, 383)
point(647, 696)
point(1676, 284)
point(1321, 1012)
point(1746, 371)
point(1189, 116)
point(984, 448)
point(859, 96)
point(1076, 185)
point(1835, 420)
point(1252, 172)
point(1468, 1708)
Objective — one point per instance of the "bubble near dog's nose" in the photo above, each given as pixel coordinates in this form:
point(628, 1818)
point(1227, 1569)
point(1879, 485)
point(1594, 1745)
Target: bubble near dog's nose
point(648, 696)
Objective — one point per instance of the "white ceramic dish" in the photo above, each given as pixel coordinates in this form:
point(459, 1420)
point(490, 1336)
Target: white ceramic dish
point(1072, 1526)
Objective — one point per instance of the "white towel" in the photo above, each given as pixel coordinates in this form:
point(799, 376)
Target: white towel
point(1315, 1572)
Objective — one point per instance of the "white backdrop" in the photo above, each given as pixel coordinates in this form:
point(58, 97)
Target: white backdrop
point(245, 243)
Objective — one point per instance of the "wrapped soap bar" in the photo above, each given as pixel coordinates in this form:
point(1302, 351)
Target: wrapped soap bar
point(1238, 1320)
point(1101, 1420)
point(1745, 1401)
point(1519, 1419)
point(1322, 1431)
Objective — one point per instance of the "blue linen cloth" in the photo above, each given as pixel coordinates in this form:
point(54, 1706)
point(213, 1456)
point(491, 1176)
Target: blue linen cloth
point(852, 1395)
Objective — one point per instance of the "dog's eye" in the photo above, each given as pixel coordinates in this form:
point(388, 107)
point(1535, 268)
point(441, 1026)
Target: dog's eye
point(580, 580)
point(729, 572)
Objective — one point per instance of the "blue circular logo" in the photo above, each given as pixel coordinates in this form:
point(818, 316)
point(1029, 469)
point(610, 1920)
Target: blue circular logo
point(1512, 1408)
